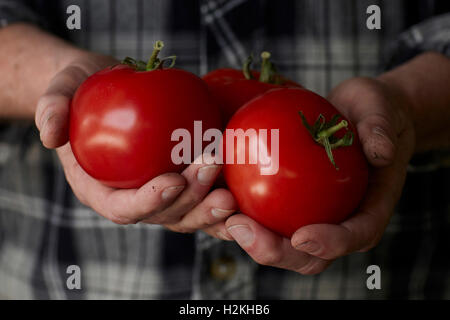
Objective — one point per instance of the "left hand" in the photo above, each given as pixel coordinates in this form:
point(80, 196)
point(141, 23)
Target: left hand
point(381, 114)
point(179, 202)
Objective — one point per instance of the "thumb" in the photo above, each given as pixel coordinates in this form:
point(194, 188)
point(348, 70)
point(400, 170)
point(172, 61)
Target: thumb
point(52, 112)
point(53, 120)
point(378, 137)
point(368, 105)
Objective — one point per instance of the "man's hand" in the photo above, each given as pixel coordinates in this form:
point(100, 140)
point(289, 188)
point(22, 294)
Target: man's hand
point(383, 120)
point(180, 202)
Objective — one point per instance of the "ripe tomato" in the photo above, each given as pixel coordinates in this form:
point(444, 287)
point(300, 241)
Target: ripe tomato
point(310, 186)
point(233, 88)
point(122, 118)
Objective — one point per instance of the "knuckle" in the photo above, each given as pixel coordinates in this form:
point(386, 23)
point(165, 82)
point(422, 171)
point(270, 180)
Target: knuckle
point(222, 198)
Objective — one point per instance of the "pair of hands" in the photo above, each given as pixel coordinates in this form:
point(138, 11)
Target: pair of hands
point(183, 203)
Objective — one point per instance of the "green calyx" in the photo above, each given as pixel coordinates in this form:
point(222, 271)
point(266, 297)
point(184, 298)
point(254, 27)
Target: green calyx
point(268, 74)
point(246, 68)
point(323, 133)
point(153, 63)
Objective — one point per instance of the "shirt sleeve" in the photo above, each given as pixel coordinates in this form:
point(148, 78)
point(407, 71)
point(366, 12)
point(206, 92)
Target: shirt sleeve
point(430, 35)
point(12, 11)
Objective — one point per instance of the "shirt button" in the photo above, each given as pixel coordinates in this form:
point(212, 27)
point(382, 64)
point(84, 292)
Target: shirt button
point(223, 268)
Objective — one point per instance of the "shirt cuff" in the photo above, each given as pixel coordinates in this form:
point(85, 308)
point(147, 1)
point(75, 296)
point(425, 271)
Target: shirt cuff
point(12, 11)
point(431, 35)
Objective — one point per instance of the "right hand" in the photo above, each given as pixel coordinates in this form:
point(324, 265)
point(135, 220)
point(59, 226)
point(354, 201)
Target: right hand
point(381, 114)
point(180, 202)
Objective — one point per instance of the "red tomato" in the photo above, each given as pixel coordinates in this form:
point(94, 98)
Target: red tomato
point(121, 121)
point(308, 188)
point(232, 88)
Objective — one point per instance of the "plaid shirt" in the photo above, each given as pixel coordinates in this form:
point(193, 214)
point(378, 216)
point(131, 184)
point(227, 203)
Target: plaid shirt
point(44, 228)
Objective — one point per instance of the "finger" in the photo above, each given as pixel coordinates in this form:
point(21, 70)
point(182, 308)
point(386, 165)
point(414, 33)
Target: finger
point(326, 241)
point(219, 231)
point(268, 248)
point(122, 206)
point(199, 178)
point(216, 207)
point(367, 104)
point(378, 138)
point(378, 144)
point(52, 112)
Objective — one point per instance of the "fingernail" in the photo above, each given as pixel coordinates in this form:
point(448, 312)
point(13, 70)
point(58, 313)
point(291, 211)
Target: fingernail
point(44, 119)
point(171, 192)
point(46, 127)
point(221, 213)
point(242, 234)
point(43, 129)
point(379, 131)
point(206, 175)
point(308, 246)
point(222, 236)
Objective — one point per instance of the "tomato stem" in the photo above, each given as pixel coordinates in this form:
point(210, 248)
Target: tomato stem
point(345, 141)
point(268, 73)
point(330, 131)
point(323, 133)
point(157, 47)
point(246, 68)
point(153, 63)
point(266, 67)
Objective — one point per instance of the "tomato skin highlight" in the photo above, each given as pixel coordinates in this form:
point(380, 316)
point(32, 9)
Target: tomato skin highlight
point(121, 122)
point(307, 189)
point(232, 90)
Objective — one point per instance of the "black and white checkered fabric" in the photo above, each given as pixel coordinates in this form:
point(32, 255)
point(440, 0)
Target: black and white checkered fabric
point(319, 43)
